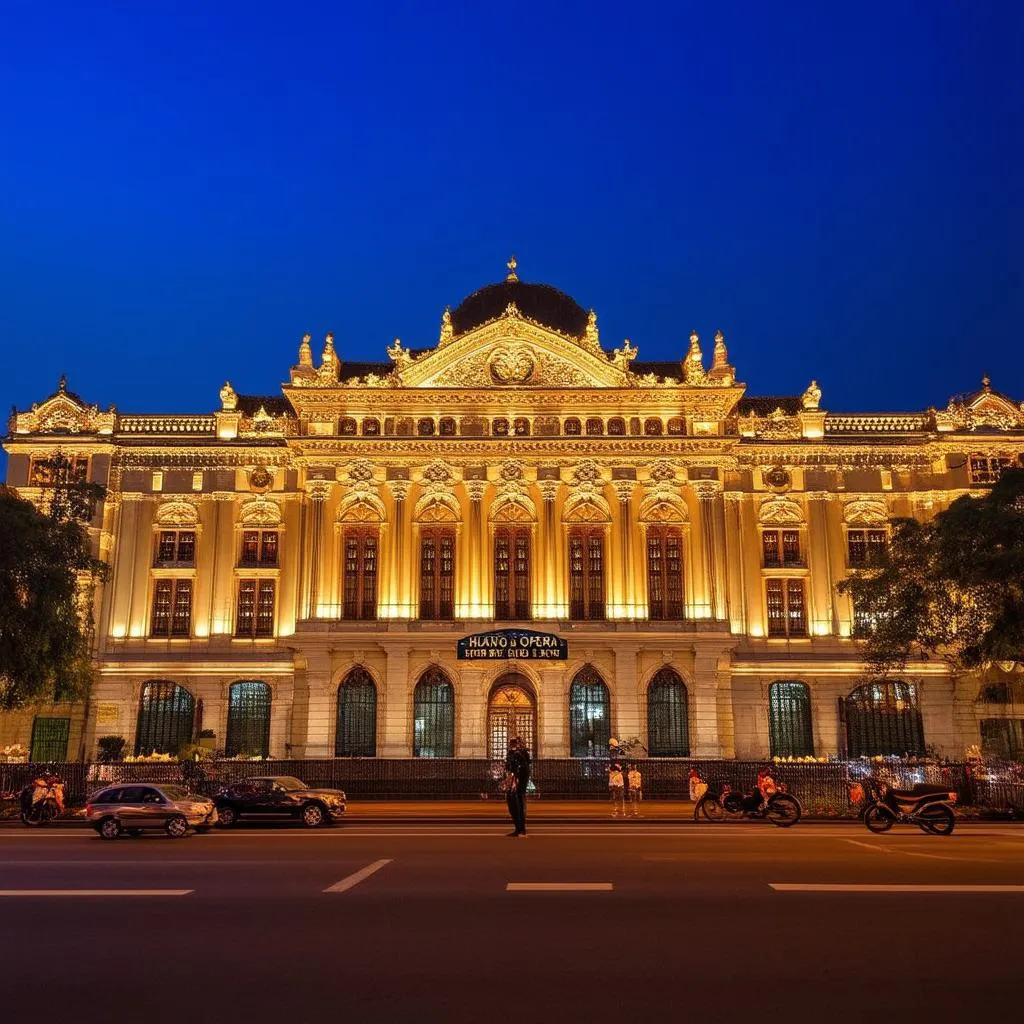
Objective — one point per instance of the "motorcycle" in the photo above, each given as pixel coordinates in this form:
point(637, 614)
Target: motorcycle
point(42, 801)
point(928, 807)
point(723, 803)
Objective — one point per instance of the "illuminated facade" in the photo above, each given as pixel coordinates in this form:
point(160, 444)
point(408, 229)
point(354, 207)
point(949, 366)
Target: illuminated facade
point(294, 571)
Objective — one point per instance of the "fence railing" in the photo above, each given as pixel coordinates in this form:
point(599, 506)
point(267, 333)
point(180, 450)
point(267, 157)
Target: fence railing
point(823, 788)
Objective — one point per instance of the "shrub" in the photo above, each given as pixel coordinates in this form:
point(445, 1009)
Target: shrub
point(111, 748)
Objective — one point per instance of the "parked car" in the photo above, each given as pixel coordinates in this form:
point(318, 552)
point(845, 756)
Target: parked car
point(279, 797)
point(134, 809)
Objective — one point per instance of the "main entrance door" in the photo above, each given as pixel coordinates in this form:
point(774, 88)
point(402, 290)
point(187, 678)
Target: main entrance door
point(511, 711)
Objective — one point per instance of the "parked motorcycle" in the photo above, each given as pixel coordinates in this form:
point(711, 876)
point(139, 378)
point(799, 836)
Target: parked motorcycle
point(929, 807)
point(723, 803)
point(42, 800)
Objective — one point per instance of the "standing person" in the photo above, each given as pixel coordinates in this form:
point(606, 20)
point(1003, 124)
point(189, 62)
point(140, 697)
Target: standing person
point(517, 778)
point(636, 791)
point(616, 789)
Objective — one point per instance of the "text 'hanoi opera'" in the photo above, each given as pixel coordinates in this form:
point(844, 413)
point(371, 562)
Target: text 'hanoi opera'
point(295, 571)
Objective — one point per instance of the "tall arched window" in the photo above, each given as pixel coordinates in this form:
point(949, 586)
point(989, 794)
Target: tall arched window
point(883, 718)
point(789, 720)
point(356, 732)
point(166, 717)
point(248, 719)
point(589, 714)
point(668, 728)
point(433, 716)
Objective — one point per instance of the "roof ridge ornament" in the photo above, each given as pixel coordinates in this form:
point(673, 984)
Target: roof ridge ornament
point(511, 263)
point(693, 365)
point(62, 384)
point(446, 326)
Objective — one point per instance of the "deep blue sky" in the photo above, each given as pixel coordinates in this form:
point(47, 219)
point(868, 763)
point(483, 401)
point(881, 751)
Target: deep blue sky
point(185, 188)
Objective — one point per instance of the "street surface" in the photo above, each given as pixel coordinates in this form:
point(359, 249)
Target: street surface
point(459, 923)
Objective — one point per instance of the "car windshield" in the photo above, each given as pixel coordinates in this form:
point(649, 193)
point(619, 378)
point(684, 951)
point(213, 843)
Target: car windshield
point(290, 784)
point(175, 793)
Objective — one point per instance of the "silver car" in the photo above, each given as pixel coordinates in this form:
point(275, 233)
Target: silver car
point(136, 808)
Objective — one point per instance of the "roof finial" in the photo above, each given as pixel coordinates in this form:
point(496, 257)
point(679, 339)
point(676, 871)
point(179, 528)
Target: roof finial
point(62, 384)
point(305, 352)
point(511, 264)
point(986, 382)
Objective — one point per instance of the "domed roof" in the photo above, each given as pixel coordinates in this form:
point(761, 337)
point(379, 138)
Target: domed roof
point(539, 302)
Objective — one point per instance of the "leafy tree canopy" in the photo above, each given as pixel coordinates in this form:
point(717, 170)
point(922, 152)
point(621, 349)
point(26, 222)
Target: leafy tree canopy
point(47, 580)
point(951, 588)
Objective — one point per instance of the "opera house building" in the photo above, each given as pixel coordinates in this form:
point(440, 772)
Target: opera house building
point(516, 530)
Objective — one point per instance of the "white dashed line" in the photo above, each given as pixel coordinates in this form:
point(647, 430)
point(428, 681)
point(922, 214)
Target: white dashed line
point(358, 876)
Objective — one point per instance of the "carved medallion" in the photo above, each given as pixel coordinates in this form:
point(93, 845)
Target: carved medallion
point(511, 364)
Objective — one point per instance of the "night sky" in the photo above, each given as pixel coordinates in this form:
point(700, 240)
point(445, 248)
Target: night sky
point(187, 188)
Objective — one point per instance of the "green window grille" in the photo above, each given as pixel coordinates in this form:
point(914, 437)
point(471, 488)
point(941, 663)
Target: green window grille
point(356, 734)
point(883, 718)
point(433, 716)
point(589, 714)
point(166, 718)
point(49, 739)
point(668, 729)
point(248, 719)
point(789, 720)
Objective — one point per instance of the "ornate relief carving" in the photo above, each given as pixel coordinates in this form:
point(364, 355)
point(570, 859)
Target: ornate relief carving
point(437, 478)
point(549, 489)
point(663, 510)
point(866, 512)
point(778, 510)
point(399, 489)
point(437, 508)
point(361, 508)
point(511, 364)
point(586, 509)
point(512, 509)
point(260, 511)
point(319, 490)
point(624, 490)
point(475, 489)
point(177, 512)
point(988, 408)
point(776, 426)
point(62, 413)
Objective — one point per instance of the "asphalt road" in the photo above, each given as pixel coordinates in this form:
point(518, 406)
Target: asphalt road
point(430, 924)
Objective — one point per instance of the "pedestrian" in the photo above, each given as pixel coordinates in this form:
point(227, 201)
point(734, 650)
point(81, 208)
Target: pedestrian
point(636, 790)
point(616, 789)
point(517, 778)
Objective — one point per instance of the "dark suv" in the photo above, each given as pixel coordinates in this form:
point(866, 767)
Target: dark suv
point(278, 797)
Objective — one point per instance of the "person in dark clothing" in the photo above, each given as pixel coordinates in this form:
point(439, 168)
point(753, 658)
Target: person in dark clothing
point(517, 778)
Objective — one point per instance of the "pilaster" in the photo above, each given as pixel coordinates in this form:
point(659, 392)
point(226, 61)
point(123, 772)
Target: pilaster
point(396, 735)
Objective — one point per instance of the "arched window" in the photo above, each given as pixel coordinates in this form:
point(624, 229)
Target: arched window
point(447, 426)
point(248, 719)
point(883, 718)
point(499, 428)
point(617, 426)
point(166, 717)
point(433, 716)
point(789, 720)
point(595, 426)
point(668, 727)
point(356, 732)
point(676, 425)
point(589, 714)
point(371, 427)
point(573, 427)
point(347, 426)
point(652, 427)
point(425, 428)
point(521, 426)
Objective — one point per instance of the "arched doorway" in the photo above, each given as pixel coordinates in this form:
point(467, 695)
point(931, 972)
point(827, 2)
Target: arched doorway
point(511, 711)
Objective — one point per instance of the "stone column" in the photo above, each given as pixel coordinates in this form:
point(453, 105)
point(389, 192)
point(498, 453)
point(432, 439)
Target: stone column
point(318, 491)
point(712, 521)
point(547, 577)
point(400, 600)
point(735, 570)
point(626, 719)
point(471, 714)
point(819, 561)
point(396, 735)
point(480, 604)
point(321, 704)
point(624, 491)
point(825, 716)
point(707, 719)
point(552, 712)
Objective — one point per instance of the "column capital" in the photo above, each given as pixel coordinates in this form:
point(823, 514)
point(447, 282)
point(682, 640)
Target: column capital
point(318, 490)
point(399, 489)
point(733, 497)
point(623, 490)
point(549, 489)
point(475, 489)
point(818, 496)
point(706, 490)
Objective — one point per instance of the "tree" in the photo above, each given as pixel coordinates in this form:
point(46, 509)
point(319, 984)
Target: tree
point(951, 588)
point(47, 580)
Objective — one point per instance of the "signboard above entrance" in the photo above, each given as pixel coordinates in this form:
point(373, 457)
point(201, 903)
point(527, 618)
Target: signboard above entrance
point(513, 644)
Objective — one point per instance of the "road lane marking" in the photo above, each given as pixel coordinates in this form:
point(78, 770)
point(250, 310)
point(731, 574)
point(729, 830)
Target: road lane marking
point(559, 887)
point(816, 887)
point(96, 892)
point(868, 846)
point(358, 876)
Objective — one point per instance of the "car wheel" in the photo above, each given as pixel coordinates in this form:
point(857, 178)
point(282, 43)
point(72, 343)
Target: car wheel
point(109, 828)
point(313, 816)
point(227, 816)
point(177, 827)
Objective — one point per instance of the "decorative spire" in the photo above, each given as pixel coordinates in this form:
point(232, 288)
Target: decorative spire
point(721, 371)
point(446, 326)
point(986, 383)
point(693, 366)
point(62, 384)
point(591, 336)
point(511, 264)
point(329, 361)
point(305, 352)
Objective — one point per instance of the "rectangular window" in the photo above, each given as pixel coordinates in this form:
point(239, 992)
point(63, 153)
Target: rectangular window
point(987, 469)
point(866, 548)
point(664, 573)
point(787, 611)
point(176, 547)
point(259, 548)
point(586, 574)
point(172, 608)
point(437, 574)
point(512, 572)
point(781, 549)
point(1002, 738)
point(255, 609)
point(58, 470)
point(360, 574)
